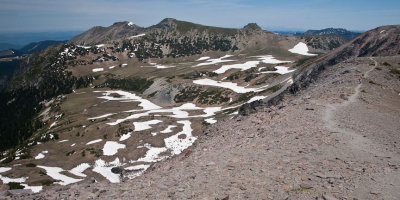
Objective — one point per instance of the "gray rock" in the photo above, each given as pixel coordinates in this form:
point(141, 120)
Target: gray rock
point(20, 192)
point(328, 197)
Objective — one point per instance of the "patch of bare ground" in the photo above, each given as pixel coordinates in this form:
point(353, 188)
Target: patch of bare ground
point(338, 139)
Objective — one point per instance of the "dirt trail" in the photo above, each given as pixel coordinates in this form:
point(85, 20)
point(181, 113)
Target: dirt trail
point(359, 148)
point(357, 141)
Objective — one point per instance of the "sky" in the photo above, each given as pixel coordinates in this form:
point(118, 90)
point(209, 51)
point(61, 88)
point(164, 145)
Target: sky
point(67, 15)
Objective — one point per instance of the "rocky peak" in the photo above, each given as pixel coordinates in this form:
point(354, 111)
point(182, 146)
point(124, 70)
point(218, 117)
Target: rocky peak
point(252, 26)
point(166, 23)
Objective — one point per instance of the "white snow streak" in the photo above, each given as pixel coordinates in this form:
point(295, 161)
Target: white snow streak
point(78, 170)
point(233, 86)
point(54, 172)
point(94, 141)
point(97, 69)
point(140, 126)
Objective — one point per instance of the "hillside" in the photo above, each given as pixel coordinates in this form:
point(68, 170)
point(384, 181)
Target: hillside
point(325, 136)
point(181, 77)
point(112, 111)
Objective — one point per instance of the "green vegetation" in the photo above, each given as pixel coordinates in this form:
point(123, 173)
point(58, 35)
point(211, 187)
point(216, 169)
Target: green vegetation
point(70, 153)
point(47, 182)
point(233, 76)
point(30, 165)
point(304, 60)
point(152, 94)
point(378, 68)
point(264, 79)
point(386, 64)
point(42, 173)
point(363, 91)
point(211, 96)
point(275, 88)
point(205, 123)
point(184, 27)
point(96, 153)
point(250, 77)
point(44, 78)
point(372, 82)
point(15, 186)
point(187, 94)
point(395, 71)
point(131, 84)
point(123, 130)
point(243, 97)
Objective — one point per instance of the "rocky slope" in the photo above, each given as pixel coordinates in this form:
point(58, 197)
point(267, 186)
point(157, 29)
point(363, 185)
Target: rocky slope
point(336, 139)
point(382, 41)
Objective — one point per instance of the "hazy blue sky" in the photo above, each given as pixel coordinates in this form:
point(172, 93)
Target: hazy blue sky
point(60, 15)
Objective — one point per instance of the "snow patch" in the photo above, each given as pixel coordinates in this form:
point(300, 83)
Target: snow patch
point(94, 141)
point(159, 66)
point(78, 170)
point(111, 148)
point(85, 47)
point(152, 154)
point(203, 58)
point(41, 155)
point(140, 126)
point(245, 66)
point(97, 69)
point(256, 98)
point(4, 169)
point(101, 116)
point(215, 61)
point(136, 36)
point(104, 168)
point(35, 189)
point(63, 141)
point(6, 180)
point(211, 120)
point(232, 86)
point(125, 136)
point(137, 170)
point(112, 67)
point(279, 70)
point(176, 144)
point(302, 49)
point(54, 172)
point(168, 129)
point(127, 97)
point(53, 124)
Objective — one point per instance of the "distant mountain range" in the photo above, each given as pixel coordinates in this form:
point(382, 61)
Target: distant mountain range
point(18, 40)
point(28, 49)
point(326, 31)
point(332, 31)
